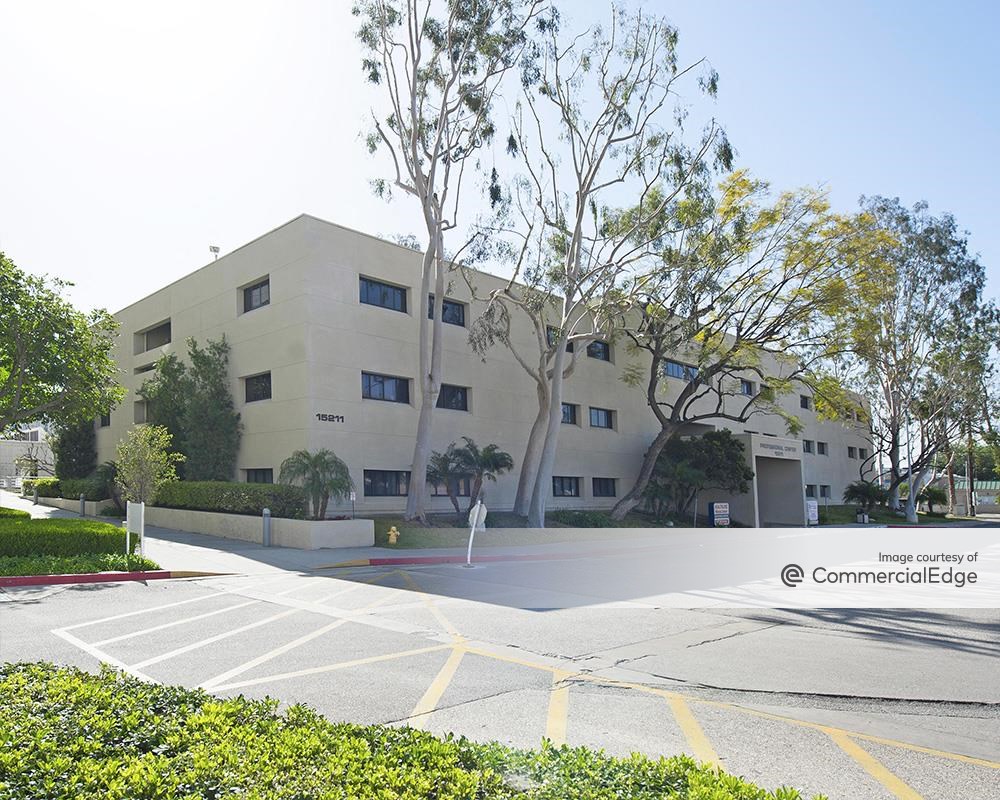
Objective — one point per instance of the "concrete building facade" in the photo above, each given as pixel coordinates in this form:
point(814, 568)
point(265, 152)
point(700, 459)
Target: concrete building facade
point(323, 326)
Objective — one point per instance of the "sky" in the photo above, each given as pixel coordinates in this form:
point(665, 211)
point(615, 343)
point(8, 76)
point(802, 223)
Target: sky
point(134, 135)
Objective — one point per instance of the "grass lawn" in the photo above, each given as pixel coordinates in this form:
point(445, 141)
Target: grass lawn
point(71, 734)
point(74, 565)
point(842, 514)
point(445, 531)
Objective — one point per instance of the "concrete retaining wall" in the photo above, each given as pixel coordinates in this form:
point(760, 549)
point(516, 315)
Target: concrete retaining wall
point(302, 534)
point(90, 507)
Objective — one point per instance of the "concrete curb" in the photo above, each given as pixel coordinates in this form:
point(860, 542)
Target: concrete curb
point(461, 559)
point(102, 577)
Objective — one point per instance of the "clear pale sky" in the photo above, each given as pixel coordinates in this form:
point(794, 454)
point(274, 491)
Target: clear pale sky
point(135, 134)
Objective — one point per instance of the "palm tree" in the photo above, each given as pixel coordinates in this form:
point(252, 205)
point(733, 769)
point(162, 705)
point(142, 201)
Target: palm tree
point(483, 464)
point(447, 469)
point(322, 474)
point(865, 494)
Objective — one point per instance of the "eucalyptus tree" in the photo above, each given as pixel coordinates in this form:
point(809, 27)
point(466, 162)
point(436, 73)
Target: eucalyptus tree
point(739, 310)
point(600, 122)
point(438, 66)
point(908, 321)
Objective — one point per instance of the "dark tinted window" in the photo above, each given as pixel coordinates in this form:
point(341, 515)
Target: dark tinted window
point(453, 313)
point(258, 387)
point(376, 293)
point(462, 487)
point(260, 476)
point(565, 487)
point(601, 418)
point(604, 487)
point(454, 397)
point(599, 350)
point(386, 483)
point(675, 369)
point(569, 414)
point(256, 296)
point(385, 387)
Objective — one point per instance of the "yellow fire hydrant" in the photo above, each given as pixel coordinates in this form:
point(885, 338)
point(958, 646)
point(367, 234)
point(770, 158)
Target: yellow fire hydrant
point(393, 535)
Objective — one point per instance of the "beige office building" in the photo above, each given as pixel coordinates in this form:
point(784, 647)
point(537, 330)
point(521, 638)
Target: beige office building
point(323, 327)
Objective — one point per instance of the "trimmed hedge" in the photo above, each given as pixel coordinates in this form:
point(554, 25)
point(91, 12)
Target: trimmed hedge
point(70, 734)
point(234, 498)
point(13, 513)
point(59, 537)
point(47, 487)
point(74, 565)
point(90, 488)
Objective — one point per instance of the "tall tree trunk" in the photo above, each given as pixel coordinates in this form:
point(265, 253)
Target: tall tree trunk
point(546, 461)
point(970, 472)
point(893, 454)
point(430, 376)
point(532, 454)
point(634, 495)
point(916, 483)
point(952, 497)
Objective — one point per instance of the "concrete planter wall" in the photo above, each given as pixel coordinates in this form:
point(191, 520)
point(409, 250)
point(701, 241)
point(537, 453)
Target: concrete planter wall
point(302, 534)
point(90, 508)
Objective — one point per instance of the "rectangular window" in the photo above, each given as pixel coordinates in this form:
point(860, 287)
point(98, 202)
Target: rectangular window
point(862, 453)
point(139, 412)
point(552, 336)
point(387, 483)
point(256, 296)
point(684, 372)
point(384, 295)
point(601, 417)
point(463, 488)
point(569, 414)
point(154, 337)
point(807, 445)
point(852, 452)
point(260, 475)
point(385, 387)
point(811, 490)
point(258, 387)
point(565, 487)
point(105, 420)
point(451, 312)
point(604, 487)
point(824, 491)
point(822, 448)
point(455, 398)
point(599, 350)
point(747, 387)
point(805, 401)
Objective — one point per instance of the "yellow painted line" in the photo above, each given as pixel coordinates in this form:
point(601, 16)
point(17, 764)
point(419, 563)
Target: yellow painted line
point(176, 622)
point(555, 722)
point(211, 683)
point(693, 732)
point(355, 585)
point(332, 667)
point(443, 621)
point(211, 640)
point(896, 787)
point(421, 711)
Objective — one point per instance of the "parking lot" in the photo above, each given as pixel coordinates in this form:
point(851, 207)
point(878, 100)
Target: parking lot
point(378, 645)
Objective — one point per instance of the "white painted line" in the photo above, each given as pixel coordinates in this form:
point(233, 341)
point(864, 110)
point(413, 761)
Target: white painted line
point(142, 611)
point(172, 624)
point(265, 657)
point(101, 656)
point(212, 639)
point(331, 667)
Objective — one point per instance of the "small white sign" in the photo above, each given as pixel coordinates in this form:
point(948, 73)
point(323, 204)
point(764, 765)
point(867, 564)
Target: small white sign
point(354, 496)
point(812, 512)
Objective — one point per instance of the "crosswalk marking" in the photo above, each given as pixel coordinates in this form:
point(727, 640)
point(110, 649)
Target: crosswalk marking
point(874, 767)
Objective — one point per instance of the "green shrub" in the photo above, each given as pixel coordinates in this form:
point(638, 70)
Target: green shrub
point(13, 513)
point(90, 488)
point(59, 537)
point(74, 565)
point(111, 736)
point(584, 519)
point(234, 498)
point(111, 511)
point(47, 487)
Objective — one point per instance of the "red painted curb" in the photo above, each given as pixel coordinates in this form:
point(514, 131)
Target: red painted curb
point(477, 559)
point(89, 577)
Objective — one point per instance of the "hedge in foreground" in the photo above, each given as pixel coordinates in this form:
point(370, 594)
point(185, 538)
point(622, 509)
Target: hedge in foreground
point(234, 498)
point(59, 537)
point(70, 734)
point(74, 565)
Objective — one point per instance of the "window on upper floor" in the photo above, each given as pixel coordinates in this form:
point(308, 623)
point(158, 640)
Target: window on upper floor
point(684, 372)
point(863, 453)
point(747, 387)
point(599, 350)
point(384, 295)
point(257, 295)
point(811, 490)
point(807, 445)
point(602, 418)
point(257, 387)
point(852, 452)
point(105, 420)
point(552, 336)
point(151, 338)
point(385, 387)
point(822, 448)
point(805, 401)
point(452, 311)
point(570, 415)
point(455, 398)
